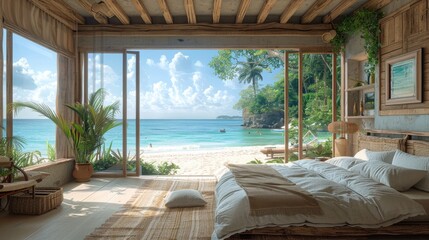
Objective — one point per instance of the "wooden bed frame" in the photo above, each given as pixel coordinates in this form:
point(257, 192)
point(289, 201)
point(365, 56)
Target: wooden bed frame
point(406, 228)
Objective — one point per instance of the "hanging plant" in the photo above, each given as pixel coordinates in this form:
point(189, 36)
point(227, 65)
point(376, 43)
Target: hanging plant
point(364, 22)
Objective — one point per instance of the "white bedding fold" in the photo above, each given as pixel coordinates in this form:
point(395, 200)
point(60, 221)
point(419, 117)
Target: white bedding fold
point(344, 197)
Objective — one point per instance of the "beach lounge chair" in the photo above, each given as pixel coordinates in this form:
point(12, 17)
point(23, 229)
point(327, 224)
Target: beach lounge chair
point(7, 184)
point(271, 151)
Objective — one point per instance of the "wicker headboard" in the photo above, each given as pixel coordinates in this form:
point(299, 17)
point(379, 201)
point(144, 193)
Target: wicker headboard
point(380, 143)
point(417, 147)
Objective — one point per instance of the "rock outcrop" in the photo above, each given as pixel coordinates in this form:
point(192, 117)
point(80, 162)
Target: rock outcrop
point(264, 120)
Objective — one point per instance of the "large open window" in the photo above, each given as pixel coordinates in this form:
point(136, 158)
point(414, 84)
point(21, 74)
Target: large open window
point(30, 75)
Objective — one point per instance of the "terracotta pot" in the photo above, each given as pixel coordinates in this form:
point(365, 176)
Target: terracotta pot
point(82, 172)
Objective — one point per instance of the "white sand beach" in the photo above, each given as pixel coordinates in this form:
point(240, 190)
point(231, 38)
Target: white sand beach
point(207, 162)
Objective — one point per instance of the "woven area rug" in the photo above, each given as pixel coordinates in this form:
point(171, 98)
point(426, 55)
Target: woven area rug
point(146, 217)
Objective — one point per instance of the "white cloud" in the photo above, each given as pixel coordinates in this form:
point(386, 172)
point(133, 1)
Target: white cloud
point(22, 75)
point(198, 63)
point(150, 62)
point(33, 86)
point(231, 84)
point(183, 94)
point(163, 62)
point(131, 67)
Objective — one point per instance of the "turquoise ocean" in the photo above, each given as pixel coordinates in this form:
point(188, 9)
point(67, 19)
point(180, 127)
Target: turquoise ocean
point(161, 134)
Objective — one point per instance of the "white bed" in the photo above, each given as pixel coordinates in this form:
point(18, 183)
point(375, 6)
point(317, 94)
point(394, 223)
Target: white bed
point(346, 198)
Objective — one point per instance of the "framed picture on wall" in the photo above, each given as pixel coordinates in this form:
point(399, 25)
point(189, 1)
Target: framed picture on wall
point(404, 78)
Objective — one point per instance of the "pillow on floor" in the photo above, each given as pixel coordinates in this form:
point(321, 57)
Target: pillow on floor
point(184, 198)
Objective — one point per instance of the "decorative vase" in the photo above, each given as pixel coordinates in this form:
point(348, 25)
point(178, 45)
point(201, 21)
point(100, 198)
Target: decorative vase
point(82, 172)
point(372, 78)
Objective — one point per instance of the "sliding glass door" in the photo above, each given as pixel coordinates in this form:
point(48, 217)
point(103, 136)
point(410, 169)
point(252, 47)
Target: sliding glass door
point(118, 74)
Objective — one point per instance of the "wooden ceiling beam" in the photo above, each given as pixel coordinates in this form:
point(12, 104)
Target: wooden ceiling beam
point(242, 10)
point(265, 10)
point(88, 7)
point(217, 6)
point(375, 4)
point(290, 10)
point(338, 10)
point(314, 10)
point(116, 9)
point(61, 11)
point(144, 14)
point(190, 11)
point(165, 11)
point(207, 29)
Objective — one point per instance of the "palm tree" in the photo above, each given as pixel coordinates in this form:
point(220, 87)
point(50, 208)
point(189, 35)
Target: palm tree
point(251, 72)
point(87, 134)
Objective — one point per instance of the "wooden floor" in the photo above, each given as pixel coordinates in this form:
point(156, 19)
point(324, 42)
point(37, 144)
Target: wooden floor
point(85, 207)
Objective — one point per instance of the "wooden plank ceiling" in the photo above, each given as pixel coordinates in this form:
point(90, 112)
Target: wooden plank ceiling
point(215, 13)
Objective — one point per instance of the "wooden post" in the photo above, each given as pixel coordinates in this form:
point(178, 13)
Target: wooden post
point(300, 105)
point(124, 113)
point(9, 83)
point(286, 105)
point(1, 74)
point(334, 96)
point(343, 85)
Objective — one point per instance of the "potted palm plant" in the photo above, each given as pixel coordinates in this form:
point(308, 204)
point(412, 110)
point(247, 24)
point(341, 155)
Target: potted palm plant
point(86, 135)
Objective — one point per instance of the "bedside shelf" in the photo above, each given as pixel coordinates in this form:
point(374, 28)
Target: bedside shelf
point(360, 117)
point(364, 87)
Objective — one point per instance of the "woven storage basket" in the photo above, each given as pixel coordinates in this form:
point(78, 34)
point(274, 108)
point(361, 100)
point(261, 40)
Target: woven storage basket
point(45, 200)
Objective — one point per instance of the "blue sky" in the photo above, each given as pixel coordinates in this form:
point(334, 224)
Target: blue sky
point(174, 83)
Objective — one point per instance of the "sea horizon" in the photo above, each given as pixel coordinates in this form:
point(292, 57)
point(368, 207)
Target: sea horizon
point(161, 135)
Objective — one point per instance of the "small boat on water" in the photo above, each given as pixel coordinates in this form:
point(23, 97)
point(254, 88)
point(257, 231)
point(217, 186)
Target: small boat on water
point(222, 130)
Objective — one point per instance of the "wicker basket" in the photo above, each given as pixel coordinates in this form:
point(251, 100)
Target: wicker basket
point(45, 200)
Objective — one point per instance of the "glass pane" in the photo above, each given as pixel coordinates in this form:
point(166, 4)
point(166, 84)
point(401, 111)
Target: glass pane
point(132, 117)
point(34, 80)
point(317, 96)
point(105, 71)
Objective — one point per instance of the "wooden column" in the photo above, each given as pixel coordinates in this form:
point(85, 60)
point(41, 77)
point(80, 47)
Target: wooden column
point(334, 96)
point(124, 113)
point(286, 105)
point(65, 95)
point(9, 83)
point(300, 105)
point(1, 74)
point(343, 84)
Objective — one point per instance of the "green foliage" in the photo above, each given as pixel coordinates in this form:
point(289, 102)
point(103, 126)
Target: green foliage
point(256, 161)
point(148, 168)
point(247, 64)
point(87, 134)
point(105, 158)
point(275, 160)
point(50, 151)
point(364, 22)
point(166, 168)
point(321, 150)
point(163, 168)
point(12, 148)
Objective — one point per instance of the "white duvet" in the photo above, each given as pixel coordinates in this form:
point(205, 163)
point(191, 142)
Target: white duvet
point(344, 197)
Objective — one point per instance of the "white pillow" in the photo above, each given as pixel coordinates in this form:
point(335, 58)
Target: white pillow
point(395, 177)
point(184, 198)
point(384, 156)
point(403, 159)
point(344, 162)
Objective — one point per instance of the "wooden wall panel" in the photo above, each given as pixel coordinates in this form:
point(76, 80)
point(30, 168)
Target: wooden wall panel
point(402, 32)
